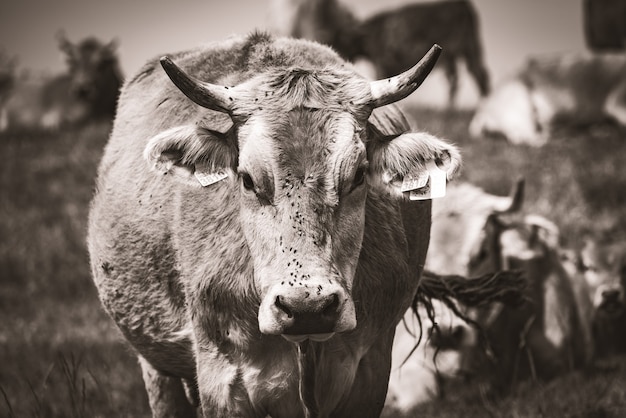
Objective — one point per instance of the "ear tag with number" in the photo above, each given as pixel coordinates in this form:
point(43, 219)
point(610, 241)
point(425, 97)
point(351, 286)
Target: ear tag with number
point(207, 176)
point(428, 183)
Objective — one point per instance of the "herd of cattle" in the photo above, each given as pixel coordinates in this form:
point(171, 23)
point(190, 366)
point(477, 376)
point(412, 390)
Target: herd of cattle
point(258, 233)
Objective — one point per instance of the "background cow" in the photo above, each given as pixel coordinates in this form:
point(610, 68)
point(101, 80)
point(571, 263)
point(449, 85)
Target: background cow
point(263, 255)
point(545, 337)
point(392, 39)
point(572, 89)
point(604, 24)
point(87, 91)
point(457, 234)
point(603, 265)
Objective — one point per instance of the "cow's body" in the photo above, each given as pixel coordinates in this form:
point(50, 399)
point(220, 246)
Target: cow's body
point(571, 89)
point(87, 91)
point(391, 39)
point(202, 287)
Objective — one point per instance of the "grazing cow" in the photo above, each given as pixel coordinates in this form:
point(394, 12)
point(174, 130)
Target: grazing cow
point(570, 89)
point(87, 91)
point(603, 266)
point(251, 240)
point(391, 39)
point(605, 25)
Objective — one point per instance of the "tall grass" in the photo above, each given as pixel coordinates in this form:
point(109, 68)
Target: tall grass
point(60, 355)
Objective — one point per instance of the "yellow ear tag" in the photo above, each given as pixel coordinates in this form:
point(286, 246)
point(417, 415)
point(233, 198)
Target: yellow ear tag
point(428, 183)
point(206, 176)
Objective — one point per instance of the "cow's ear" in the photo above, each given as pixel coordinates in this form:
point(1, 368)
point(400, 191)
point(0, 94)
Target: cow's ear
point(193, 155)
point(393, 158)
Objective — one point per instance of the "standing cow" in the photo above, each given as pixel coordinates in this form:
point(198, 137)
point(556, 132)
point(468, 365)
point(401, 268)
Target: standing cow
point(568, 89)
point(390, 39)
point(89, 90)
point(250, 240)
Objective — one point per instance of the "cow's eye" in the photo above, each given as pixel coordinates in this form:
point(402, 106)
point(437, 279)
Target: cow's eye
point(359, 178)
point(246, 181)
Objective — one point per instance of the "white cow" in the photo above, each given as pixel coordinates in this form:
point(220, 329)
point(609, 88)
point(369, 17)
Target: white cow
point(572, 88)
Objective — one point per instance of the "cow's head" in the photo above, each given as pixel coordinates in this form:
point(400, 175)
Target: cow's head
point(307, 151)
point(463, 231)
point(93, 68)
point(604, 268)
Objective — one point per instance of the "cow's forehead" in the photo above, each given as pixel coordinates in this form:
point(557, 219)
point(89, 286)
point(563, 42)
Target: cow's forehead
point(335, 88)
point(305, 143)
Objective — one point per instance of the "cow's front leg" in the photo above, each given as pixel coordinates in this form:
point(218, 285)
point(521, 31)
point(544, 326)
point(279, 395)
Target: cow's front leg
point(222, 391)
point(166, 394)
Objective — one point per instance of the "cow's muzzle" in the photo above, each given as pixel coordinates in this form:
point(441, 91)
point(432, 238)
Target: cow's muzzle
point(314, 311)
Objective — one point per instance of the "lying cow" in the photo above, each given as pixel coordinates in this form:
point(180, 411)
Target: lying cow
point(87, 91)
point(603, 266)
point(574, 89)
point(251, 239)
point(392, 38)
point(433, 333)
point(545, 337)
point(456, 242)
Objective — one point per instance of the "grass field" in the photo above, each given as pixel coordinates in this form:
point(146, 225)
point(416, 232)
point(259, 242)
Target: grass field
point(60, 356)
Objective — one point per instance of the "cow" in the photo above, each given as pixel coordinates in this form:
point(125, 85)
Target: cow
point(544, 338)
point(391, 38)
point(604, 23)
point(419, 361)
point(249, 235)
point(457, 235)
point(569, 89)
point(603, 266)
point(88, 90)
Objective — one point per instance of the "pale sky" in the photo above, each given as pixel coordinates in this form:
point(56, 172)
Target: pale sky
point(511, 29)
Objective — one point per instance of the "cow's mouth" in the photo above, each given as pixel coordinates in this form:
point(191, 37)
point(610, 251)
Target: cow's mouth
point(313, 337)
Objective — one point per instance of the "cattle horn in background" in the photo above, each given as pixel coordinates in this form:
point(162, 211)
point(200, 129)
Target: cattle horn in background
point(211, 96)
point(390, 90)
point(513, 202)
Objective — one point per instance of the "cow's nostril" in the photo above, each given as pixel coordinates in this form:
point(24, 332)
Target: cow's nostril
point(283, 307)
point(332, 306)
point(611, 295)
point(458, 333)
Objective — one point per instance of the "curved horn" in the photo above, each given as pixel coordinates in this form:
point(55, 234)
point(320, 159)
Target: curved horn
point(211, 96)
point(390, 90)
point(513, 202)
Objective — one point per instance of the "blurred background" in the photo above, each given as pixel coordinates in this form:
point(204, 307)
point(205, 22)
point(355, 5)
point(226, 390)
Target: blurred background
point(511, 30)
point(61, 65)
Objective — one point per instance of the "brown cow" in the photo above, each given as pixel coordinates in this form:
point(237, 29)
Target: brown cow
point(457, 234)
point(392, 39)
point(251, 239)
point(89, 90)
point(548, 335)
